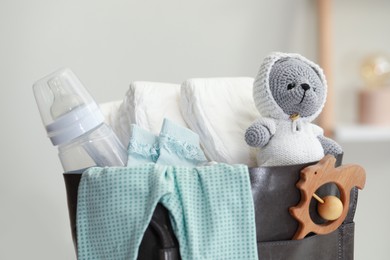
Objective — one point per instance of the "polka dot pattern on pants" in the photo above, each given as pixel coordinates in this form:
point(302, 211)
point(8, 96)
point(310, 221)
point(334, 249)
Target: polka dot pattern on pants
point(211, 210)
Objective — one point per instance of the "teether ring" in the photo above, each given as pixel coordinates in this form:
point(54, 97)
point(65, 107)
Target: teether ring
point(312, 177)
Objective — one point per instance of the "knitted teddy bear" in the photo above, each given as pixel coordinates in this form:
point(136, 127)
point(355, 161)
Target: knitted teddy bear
point(290, 92)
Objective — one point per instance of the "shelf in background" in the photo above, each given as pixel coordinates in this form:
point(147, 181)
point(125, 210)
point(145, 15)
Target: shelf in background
point(362, 133)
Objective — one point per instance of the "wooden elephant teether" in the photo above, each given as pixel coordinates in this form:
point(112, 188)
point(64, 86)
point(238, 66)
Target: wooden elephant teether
point(330, 208)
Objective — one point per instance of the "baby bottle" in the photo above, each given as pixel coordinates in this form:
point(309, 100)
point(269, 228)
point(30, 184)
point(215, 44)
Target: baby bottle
point(75, 124)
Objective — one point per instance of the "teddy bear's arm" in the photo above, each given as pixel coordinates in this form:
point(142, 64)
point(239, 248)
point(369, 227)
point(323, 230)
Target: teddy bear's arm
point(260, 132)
point(330, 146)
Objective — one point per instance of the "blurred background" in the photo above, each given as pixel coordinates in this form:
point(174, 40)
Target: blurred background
point(108, 44)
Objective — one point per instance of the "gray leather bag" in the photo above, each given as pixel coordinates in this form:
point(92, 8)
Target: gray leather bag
point(274, 192)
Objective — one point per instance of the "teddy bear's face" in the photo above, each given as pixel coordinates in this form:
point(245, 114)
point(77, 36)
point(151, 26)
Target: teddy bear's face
point(296, 87)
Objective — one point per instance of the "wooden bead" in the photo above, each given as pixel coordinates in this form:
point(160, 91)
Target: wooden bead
point(331, 209)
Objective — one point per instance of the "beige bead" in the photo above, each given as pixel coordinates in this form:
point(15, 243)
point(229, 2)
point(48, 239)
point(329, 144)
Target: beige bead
point(331, 209)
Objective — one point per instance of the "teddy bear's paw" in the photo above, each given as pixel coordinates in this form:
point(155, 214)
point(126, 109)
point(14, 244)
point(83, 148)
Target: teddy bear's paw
point(257, 135)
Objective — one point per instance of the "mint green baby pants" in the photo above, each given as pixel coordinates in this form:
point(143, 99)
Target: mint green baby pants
point(211, 210)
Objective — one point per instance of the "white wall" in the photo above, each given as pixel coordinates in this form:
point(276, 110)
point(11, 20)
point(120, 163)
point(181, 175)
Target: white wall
point(361, 29)
point(108, 44)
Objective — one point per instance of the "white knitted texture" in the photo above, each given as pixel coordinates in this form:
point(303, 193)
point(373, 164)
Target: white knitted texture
point(289, 146)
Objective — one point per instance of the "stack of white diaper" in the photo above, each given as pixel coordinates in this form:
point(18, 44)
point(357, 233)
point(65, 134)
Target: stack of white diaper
point(110, 112)
point(217, 109)
point(146, 104)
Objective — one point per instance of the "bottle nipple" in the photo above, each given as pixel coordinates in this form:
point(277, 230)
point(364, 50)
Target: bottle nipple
point(64, 101)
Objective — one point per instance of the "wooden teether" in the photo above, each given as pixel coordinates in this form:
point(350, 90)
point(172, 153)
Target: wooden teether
point(332, 209)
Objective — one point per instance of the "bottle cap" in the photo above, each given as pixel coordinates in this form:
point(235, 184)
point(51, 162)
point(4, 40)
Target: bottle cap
point(66, 107)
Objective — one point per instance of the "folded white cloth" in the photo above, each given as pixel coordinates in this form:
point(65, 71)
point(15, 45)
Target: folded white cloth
point(219, 110)
point(111, 114)
point(110, 110)
point(146, 104)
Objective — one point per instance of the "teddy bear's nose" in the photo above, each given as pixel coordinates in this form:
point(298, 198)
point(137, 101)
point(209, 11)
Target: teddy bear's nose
point(305, 86)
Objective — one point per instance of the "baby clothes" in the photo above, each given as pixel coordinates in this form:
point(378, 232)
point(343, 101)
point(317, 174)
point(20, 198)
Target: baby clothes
point(211, 210)
point(176, 145)
point(179, 146)
point(211, 207)
point(293, 142)
point(143, 146)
